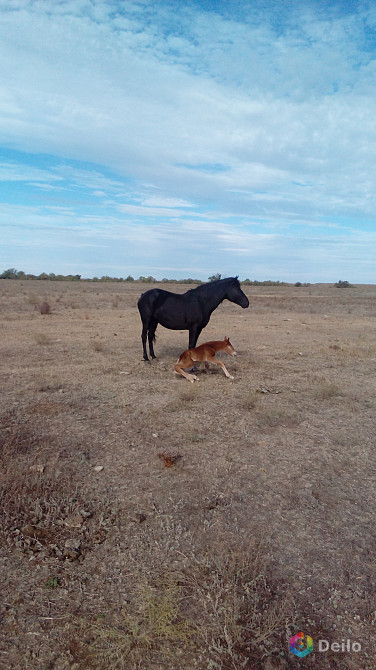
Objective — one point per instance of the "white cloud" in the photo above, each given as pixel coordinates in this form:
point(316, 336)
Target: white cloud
point(238, 114)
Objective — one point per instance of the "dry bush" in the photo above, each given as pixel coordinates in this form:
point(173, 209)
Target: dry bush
point(240, 613)
point(42, 338)
point(17, 438)
point(194, 436)
point(33, 300)
point(116, 302)
point(250, 400)
point(327, 389)
point(189, 394)
point(98, 346)
point(45, 308)
point(220, 612)
point(152, 626)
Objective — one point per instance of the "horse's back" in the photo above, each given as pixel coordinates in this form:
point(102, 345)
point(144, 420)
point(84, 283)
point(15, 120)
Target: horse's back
point(151, 297)
point(172, 310)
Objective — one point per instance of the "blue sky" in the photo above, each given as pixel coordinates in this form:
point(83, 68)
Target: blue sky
point(182, 139)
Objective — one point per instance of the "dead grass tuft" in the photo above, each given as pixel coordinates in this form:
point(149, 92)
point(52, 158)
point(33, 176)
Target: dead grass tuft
point(116, 302)
point(250, 400)
point(327, 389)
point(44, 308)
point(33, 299)
point(272, 417)
point(190, 394)
point(16, 438)
point(169, 458)
point(98, 346)
point(42, 338)
point(194, 436)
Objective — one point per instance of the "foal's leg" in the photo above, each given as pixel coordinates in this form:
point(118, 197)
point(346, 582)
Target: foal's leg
point(185, 362)
point(187, 375)
point(215, 360)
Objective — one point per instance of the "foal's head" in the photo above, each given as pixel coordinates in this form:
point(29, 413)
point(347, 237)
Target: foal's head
point(229, 349)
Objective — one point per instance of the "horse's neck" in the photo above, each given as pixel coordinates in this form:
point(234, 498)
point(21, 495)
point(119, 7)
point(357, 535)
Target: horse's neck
point(213, 299)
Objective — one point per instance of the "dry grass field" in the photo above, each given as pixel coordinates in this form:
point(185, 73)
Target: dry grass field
point(153, 524)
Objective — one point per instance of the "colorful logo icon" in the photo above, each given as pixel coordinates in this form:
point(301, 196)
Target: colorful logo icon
point(299, 646)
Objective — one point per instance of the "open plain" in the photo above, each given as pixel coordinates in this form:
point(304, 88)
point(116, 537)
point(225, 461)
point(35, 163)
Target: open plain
point(149, 523)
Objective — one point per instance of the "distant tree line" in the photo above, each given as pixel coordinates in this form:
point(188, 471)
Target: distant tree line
point(267, 282)
point(12, 273)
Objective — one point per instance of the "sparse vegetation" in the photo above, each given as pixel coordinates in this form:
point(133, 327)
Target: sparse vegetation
point(114, 555)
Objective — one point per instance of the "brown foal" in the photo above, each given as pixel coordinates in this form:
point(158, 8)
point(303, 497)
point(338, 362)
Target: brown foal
point(205, 353)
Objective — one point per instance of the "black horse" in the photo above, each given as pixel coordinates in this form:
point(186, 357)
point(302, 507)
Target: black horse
point(188, 311)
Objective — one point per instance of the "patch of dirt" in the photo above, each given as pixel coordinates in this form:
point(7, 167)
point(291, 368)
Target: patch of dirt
point(150, 523)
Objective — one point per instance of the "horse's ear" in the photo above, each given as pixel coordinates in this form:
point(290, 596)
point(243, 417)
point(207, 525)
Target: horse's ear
point(227, 339)
point(237, 277)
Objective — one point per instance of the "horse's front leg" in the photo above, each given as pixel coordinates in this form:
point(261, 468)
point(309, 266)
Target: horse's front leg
point(194, 333)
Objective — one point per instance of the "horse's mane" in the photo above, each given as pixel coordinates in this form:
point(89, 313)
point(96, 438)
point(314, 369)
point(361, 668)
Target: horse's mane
point(226, 280)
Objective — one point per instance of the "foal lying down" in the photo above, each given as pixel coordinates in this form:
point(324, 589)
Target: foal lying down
point(205, 352)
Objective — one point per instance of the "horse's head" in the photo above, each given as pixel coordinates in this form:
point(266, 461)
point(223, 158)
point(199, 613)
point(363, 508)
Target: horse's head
point(229, 348)
point(235, 294)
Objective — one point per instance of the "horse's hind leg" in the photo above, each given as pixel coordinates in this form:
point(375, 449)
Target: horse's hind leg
point(151, 336)
point(143, 337)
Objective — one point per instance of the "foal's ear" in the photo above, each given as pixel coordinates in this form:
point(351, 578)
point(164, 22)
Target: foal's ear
point(227, 339)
